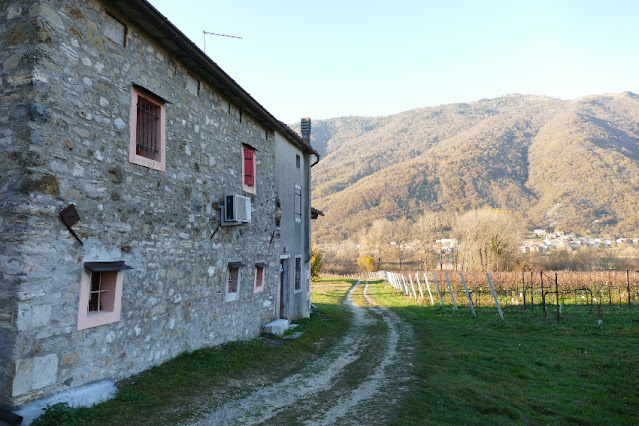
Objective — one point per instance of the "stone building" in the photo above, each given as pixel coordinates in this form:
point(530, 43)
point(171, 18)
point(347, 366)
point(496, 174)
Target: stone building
point(293, 186)
point(147, 202)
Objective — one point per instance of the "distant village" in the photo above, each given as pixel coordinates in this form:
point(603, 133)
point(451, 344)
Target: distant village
point(543, 242)
point(553, 240)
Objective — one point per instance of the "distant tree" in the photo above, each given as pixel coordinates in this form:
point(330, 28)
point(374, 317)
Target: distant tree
point(426, 229)
point(317, 256)
point(376, 240)
point(366, 264)
point(400, 232)
point(488, 239)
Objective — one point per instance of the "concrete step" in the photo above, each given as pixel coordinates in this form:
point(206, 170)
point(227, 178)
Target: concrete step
point(276, 327)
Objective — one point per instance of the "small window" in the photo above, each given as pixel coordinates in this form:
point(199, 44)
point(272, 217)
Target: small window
point(101, 293)
point(147, 146)
point(233, 283)
point(297, 161)
point(192, 85)
point(298, 203)
point(114, 30)
point(298, 273)
point(248, 169)
point(259, 277)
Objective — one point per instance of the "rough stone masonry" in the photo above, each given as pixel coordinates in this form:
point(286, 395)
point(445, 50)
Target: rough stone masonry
point(65, 97)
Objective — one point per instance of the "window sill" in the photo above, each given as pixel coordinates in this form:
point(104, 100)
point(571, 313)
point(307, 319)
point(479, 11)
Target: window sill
point(231, 297)
point(95, 319)
point(98, 313)
point(147, 162)
point(249, 189)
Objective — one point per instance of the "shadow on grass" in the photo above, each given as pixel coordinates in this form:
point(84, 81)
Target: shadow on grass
point(176, 391)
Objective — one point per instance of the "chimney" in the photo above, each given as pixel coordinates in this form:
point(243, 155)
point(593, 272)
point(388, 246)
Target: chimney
point(306, 130)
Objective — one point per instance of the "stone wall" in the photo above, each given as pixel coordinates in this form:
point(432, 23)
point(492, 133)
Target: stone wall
point(18, 33)
point(66, 87)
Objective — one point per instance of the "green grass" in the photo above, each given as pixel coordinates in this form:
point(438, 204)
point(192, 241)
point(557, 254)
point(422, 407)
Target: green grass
point(174, 391)
point(525, 371)
point(528, 370)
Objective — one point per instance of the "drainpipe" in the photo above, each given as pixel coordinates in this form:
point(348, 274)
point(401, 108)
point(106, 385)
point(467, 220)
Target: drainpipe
point(306, 135)
point(9, 417)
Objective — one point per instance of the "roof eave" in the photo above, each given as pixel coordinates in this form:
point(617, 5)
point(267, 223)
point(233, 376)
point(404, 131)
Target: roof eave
point(142, 14)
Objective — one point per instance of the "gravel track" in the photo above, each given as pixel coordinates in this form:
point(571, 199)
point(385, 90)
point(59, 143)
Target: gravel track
point(355, 382)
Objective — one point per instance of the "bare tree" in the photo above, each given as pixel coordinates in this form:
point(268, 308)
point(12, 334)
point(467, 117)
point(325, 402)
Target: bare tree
point(426, 229)
point(488, 239)
point(376, 240)
point(400, 231)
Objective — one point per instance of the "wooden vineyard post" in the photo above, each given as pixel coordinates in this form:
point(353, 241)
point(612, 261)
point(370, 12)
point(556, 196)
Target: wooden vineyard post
point(557, 291)
point(419, 285)
point(412, 286)
point(609, 287)
point(628, 281)
point(405, 285)
point(452, 296)
point(470, 301)
point(492, 289)
point(430, 294)
point(441, 300)
point(532, 292)
point(543, 295)
point(523, 286)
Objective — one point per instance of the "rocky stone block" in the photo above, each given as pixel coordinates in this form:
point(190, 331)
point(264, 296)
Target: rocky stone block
point(276, 327)
point(35, 373)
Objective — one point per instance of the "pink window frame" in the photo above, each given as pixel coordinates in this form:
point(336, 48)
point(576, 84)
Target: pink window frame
point(258, 288)
point(138, 159)
point(88, 319)
point(249, 188)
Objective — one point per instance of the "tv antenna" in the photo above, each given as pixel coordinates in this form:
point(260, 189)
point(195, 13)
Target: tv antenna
point(205, 33)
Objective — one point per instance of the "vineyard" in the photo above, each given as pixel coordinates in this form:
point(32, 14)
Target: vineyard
point(554, 294)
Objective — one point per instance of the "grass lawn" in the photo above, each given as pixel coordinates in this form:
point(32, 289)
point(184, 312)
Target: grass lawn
point(525, 371)
point(177, 390)
point(528, 370)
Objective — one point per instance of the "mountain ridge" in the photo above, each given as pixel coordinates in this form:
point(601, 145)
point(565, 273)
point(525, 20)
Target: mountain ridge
point(571, 164)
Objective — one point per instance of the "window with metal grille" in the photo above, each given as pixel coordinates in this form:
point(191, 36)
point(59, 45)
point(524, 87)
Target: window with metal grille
point(148, 129)
point(147, 146)
point(233, 283)
point(298, 273)
point(102, 291)
point(234, 275)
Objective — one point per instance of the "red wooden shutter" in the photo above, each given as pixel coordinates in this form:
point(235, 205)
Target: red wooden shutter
point(249, 158)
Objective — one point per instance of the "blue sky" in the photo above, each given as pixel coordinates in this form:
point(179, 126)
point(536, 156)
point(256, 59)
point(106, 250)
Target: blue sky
point(332, 58)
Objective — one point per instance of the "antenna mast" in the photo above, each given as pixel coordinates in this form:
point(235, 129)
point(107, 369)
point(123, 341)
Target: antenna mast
point(205, 33)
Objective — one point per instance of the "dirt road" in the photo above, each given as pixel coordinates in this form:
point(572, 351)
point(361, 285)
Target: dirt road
point(356, 382)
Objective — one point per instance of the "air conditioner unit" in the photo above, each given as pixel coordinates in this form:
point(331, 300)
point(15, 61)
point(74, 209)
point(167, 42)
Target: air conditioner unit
point(236, 210)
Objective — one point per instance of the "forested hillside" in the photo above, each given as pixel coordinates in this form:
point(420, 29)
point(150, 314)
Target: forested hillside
point(569, 165)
